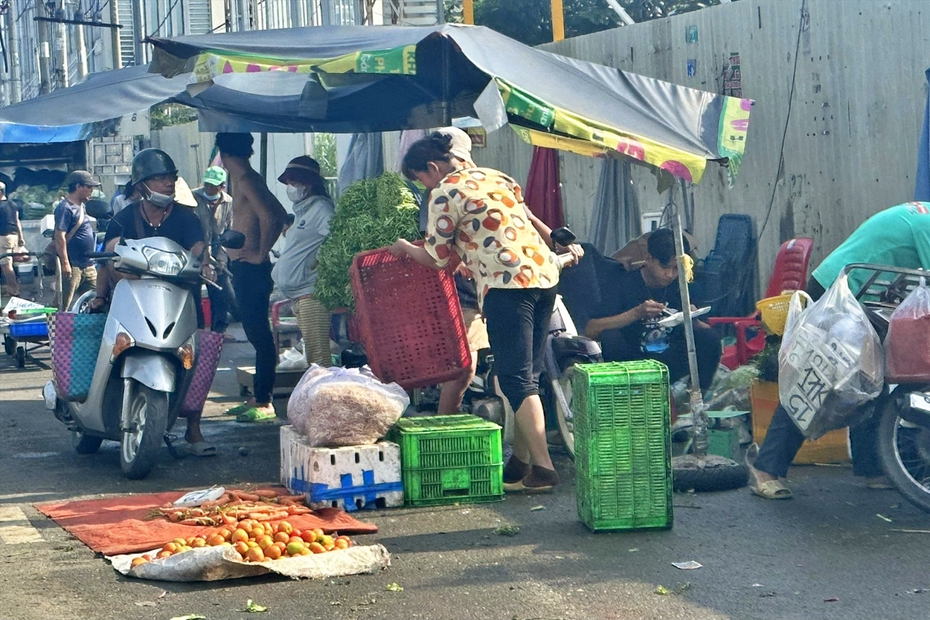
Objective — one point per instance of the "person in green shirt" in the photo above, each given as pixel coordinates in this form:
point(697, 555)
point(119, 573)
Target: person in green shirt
point(898, 236)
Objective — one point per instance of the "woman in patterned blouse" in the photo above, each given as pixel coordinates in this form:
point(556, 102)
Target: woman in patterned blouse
point(478, 214)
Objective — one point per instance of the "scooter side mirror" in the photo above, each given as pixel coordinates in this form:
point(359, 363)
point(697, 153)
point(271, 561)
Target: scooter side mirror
point(232, 239)
point(563, 236)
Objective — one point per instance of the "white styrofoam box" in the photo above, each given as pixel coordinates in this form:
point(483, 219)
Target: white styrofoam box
point(350, 478)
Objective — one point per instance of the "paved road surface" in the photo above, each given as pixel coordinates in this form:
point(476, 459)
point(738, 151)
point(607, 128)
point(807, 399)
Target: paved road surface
point(824, 555)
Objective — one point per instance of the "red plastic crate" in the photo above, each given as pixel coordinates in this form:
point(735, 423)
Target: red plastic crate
point(409, 319)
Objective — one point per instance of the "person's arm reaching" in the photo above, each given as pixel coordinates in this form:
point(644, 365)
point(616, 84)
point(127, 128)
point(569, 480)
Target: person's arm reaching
point(546, 233)
point(402, 247)
point(647, 310)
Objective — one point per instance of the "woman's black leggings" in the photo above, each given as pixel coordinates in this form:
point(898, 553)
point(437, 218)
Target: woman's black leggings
point(518, 324)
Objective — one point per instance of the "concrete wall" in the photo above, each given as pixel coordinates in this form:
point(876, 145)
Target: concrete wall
point(843, 85)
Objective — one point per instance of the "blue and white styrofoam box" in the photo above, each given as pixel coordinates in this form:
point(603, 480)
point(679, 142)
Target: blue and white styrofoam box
point(351, 478)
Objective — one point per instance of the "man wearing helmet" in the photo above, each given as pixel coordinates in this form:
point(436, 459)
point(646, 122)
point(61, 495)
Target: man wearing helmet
point(155, 215)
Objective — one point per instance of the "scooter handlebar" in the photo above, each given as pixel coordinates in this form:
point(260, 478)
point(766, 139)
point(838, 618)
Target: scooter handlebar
point(102, 255)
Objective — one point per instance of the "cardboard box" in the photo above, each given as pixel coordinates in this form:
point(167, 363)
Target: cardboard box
point(831, 448)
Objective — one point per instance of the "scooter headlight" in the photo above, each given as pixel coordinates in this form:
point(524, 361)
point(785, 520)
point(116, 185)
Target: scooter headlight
point(163, 263)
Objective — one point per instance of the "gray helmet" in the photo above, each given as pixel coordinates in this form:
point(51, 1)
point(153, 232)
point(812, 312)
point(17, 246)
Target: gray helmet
point(149, 163)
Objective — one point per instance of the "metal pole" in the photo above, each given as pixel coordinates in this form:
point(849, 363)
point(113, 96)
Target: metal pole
point(263, 155)
point(138, 32)
point(698, 412)
point(82, 53)
point(45, 69)
point(61, 45)
point(114, 35)
point(16, 77)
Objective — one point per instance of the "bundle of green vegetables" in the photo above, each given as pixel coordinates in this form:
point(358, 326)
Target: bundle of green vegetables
point(370, 214)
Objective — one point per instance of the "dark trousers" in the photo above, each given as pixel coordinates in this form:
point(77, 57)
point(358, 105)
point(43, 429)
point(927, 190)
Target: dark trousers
point(706, 346)
point(518, 325)
point(252, 285)
point(220, 303)
point(784, 438)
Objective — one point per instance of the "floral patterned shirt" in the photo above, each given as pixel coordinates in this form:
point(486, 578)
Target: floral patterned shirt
point(479, 213)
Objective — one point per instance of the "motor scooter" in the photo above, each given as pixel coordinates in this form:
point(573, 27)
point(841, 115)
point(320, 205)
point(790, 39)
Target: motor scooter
point(145, 359)
point(903, 410)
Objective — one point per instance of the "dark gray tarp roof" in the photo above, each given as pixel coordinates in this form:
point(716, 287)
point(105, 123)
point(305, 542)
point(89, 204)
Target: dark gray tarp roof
point(454, 65)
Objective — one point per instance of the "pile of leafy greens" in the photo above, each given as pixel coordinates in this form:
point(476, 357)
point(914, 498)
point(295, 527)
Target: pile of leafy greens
point(370, 214)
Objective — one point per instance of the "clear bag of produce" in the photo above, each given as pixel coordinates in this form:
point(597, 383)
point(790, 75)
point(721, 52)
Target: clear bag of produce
point(830, 363)
point(344, 406)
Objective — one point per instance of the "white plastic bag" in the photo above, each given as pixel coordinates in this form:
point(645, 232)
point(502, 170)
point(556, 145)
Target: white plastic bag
point(344, 406)
point(830, 362)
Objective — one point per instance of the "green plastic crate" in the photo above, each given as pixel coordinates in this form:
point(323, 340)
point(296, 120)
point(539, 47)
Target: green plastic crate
point(622, 445)
point(449, 459)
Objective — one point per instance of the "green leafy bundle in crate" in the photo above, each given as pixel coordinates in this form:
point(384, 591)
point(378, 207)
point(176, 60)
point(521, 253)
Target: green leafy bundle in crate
point(449, 459)
point(371, 213)
point(622, 445)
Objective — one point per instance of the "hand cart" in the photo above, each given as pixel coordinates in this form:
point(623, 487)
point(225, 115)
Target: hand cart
point(32, 326)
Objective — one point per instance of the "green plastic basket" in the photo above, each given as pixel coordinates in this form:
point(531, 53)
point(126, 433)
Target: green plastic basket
point(449, 459)
point(622, 445)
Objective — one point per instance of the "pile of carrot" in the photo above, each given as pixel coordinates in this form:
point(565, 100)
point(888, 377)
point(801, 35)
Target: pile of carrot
point(235, 505)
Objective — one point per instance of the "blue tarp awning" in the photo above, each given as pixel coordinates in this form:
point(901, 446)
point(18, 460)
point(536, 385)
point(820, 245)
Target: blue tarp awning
point(15, 133)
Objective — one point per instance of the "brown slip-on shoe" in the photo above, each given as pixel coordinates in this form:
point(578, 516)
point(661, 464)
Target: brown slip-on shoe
point(515, 470)
point(540, 480)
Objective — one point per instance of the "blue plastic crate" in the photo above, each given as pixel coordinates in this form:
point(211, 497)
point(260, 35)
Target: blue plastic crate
point(32, 329)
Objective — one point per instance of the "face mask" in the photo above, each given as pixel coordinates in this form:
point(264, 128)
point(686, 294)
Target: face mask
point(162, 201)
point(212, 197)
point(296, 193)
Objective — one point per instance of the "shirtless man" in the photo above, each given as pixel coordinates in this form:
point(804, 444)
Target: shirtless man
point(260, 217)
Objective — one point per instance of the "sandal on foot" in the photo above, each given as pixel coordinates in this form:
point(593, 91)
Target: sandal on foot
point(771, 489)
point(254, 414)
point(200, 448)
point(238, 409)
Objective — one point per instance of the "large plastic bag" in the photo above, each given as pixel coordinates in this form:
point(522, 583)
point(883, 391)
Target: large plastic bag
point(830, 363)
point(907, 345)
point(344, 406)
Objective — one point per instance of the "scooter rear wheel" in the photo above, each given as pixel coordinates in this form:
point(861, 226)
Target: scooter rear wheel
point(904, 451)
point(148, 421)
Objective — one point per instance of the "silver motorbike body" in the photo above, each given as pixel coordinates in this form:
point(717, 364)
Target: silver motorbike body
point(159, 317)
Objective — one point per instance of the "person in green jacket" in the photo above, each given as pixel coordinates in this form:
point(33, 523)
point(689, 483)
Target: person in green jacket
point(898, 236)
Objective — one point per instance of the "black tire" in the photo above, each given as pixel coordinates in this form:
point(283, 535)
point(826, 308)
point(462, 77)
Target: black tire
point(84, 443)
point(904, 453)
point(21, 357)
point(710, 473)
point(564, 418)
point(9, 345)
point(148, 417)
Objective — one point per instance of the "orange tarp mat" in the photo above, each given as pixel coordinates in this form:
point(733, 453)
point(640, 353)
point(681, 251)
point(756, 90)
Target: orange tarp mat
point(122, 525)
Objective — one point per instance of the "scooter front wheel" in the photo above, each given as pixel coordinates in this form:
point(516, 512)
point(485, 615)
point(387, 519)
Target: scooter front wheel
point(560, 403)
point(145, 432)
